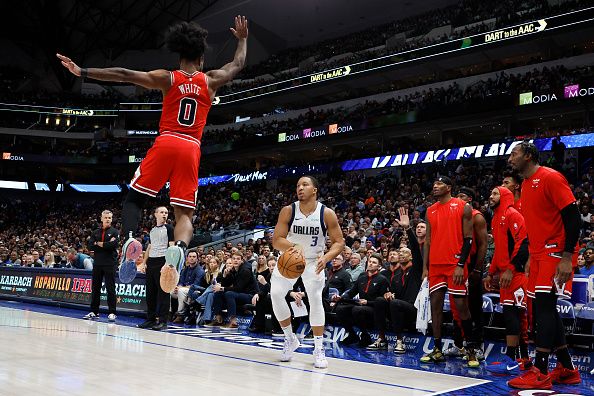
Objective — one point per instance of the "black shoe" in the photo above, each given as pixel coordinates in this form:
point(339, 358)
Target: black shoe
point(256, 329)
point(160, 326)
point(365, 340)
point(352, 338)
point(146, 324)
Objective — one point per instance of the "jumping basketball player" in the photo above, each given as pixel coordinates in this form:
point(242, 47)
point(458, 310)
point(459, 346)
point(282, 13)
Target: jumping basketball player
point(187, 97)
point(302, 226)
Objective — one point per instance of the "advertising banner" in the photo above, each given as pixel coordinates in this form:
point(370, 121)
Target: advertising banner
point(67, 286)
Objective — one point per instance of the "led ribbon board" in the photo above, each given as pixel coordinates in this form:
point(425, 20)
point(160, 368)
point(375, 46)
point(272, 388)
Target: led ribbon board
point(522, 30)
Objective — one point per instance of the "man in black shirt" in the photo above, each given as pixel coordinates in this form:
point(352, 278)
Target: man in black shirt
point(236, 286)
point(369, 286)
point(337, 277)
point(405, 276)
point(104, 242)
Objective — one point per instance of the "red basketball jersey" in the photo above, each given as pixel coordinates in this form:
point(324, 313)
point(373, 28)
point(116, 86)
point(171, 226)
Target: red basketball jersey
point(446, 231)
point(474, 246)
point(186, 105)
point(543, 196)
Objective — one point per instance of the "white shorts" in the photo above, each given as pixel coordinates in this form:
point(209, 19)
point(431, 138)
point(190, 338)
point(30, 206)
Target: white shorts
point(309, 276)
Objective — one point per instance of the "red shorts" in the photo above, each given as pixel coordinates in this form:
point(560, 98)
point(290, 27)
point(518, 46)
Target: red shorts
point(441, 276)
point(174, 157)
point(515, 294)
point(542, 275)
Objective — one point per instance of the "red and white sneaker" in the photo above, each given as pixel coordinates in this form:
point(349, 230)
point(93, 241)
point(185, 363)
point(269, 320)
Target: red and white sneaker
point(562, 376)
point(531, 379)
point(523, 363)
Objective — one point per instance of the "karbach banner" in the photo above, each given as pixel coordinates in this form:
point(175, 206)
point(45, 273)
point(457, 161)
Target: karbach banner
point(67, 286)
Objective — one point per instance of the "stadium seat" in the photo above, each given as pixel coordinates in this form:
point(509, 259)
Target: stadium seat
point(487, 310)
point(567, 313)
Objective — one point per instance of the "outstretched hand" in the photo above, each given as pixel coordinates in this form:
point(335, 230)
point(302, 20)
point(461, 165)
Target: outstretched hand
point(69, 64)
point(241, 28)
point(404, 221)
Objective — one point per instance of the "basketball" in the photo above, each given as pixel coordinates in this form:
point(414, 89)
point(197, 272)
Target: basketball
point(291, 264)
point(169, 278)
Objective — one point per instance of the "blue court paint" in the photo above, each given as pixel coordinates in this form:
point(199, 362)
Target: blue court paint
point(497, 386)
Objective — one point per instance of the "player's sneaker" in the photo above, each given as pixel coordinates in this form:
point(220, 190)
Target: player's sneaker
point(131, 250)
point(505, 365)
point(378, 345)
point(471, 359)
point(111, 317)
point(525, 363)
point(435, 356)
point(320, 358)
point(91, 316)
point(531, 379)
point(399, 347)
point(562, 376)
point(454, 351)
point(175, 256)
point(478, 352)
point(291, 344)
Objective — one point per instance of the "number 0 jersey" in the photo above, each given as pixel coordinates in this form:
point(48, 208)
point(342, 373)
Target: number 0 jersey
point(308, 231)
point(186, 104)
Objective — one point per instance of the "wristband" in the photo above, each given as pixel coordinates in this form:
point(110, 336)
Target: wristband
point(461, 265)
point(84, 73)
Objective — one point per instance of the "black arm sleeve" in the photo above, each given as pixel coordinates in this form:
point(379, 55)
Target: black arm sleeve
point(521, 257)
point(170, 234)
point(466, 246)
point(415, 248)
point(571, 222)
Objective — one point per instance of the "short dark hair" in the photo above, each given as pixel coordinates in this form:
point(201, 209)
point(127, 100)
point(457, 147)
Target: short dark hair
point(513, 175)
point(379, 258)
point(314, 181)
point(188, 39)
point(468, 192)
point(529, 148)
point(237, 254)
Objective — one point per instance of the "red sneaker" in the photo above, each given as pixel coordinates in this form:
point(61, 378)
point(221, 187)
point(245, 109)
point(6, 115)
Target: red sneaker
point(525, 363)
point(531, 379)
point(561, 375)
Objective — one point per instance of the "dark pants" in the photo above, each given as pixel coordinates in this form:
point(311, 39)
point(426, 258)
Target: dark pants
point(101, 272)
point(232, 300)
point(263, 308)
point(355, 315)
point(402, 313)
point(157, 301)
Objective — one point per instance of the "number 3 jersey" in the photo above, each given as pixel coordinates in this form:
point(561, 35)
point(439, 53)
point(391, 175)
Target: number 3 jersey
point(308, 231)
point(186, 105)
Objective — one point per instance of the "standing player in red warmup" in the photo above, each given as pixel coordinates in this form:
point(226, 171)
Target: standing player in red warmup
point(187, 97)
point(509, 260)
point(553, 223)
point(447, 247)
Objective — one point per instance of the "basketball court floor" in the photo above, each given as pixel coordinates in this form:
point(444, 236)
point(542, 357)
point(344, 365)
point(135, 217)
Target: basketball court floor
point(51, 351)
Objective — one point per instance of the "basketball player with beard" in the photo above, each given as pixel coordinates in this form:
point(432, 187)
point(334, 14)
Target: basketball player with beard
point(303, 226)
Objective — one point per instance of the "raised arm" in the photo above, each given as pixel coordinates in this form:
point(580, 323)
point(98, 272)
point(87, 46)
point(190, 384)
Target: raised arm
point(155, 79)
point(219, 77)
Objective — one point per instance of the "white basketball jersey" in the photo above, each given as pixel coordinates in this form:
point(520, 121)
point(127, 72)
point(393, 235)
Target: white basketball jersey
point(308, 231)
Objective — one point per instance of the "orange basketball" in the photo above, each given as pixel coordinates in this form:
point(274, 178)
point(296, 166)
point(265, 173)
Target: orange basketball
point(291, 264)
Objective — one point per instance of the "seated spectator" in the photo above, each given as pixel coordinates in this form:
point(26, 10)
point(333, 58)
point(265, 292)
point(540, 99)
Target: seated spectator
point(360, 312)
point(588, 268)
point(78, 260)
point(355, 269)
point(202, 291)
point(263, 302)
point(236, 286)
point(337, 277)
point(48, 260)
point(261, 265)
point(37, 262)
point(190, 274)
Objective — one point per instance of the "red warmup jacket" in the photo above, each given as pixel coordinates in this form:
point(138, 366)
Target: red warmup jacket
point(509, 234)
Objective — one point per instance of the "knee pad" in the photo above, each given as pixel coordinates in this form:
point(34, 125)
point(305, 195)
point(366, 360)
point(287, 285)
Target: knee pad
point(511, 316)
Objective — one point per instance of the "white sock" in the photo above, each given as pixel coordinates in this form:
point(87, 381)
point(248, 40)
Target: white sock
point(288, 331)
point(319, 342)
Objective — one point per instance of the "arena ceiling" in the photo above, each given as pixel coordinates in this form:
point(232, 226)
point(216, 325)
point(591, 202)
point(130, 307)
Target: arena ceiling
point(112, 27)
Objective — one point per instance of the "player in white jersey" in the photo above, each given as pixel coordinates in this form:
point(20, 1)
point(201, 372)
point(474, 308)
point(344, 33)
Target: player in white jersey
point(303, 226)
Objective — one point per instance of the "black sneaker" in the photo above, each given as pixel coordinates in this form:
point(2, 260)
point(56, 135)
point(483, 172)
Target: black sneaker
point(435, 356)
point(352, 338)
point(378, 345)
point(160, 326)
point(365, 340)
point(146, 324)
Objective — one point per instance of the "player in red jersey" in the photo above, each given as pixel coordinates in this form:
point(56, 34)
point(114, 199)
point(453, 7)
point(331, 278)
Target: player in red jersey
point(513, 182)
point(476, 263)
point(447, 247)
point(553, 223)
point(187, 97)
point(509, 260)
